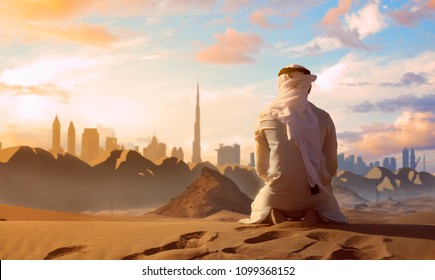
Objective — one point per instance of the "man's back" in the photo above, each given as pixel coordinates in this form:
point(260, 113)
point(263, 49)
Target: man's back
point(285, 160)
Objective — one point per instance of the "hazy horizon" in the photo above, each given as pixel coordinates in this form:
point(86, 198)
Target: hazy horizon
point(130, 69)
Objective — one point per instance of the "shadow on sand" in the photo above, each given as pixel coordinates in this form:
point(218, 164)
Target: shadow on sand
point(392, 230)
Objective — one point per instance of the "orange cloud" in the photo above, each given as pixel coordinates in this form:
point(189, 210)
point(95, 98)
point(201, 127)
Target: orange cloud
point(231, 47)
point(350, 32)
point(281, 16)
point(43, 10)
point(409, 130)
point(333, 14)
point(259, 18)
point(33, 20)
point(409, 17)
point(83, 33)
point(48, 90)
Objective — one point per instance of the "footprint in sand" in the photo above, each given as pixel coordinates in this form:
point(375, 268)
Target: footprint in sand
point(185, 241)
point(355, 247)
point(267, 236)
point(59, 252)
point(247, 228)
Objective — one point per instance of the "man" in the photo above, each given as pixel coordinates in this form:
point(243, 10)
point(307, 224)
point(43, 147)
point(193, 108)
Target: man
point(296, 155)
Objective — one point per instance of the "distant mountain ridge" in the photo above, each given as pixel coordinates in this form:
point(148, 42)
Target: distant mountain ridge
point(385, 184)
point(33, 177)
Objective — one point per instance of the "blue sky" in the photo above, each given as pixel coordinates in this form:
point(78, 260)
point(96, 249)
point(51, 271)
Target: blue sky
point(130, 68)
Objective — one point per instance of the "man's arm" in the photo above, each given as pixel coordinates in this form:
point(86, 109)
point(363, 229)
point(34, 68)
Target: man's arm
point(262, 153)
point(330, 148)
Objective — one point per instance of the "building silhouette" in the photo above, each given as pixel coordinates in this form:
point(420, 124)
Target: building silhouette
point(412, 162)
point(252, 159)
point(393, 164)
point(90, 144)
point(71, 139)
point(360, 167)
point(228, 154)
point(155, 150)
point(111, 144)
point(55, 147)
point(196, 145)
point(405, 157)
point(177, 153)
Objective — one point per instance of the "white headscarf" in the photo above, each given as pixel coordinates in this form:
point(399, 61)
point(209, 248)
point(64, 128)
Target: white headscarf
point(291, 107)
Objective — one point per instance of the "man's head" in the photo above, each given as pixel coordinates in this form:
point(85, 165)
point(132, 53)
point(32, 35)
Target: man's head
point(292, 71)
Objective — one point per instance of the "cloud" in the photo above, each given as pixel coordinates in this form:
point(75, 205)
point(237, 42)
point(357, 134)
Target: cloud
point(410, 79)
point(409, 130)
point(36, 20)
point(407, 80)
point(230, 6)
point(410, 15)
point(82, 33)
point(48, 90)
point(261, 18)
point(424, 103)
point(348, 34)
point(368, 20)
point(44, 10)
point(232, 47)
point(340, 27)
point(66, 71)
point(332, 16)
point(351, 28)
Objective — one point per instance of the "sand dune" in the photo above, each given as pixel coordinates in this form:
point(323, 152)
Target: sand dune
point(374, 233)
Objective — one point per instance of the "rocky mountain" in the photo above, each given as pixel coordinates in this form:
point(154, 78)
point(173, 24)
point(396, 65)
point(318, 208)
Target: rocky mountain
point(381, 183)
point(246, 179)
point(33, 177)
point(210, 193)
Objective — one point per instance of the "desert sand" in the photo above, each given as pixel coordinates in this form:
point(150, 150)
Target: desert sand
point(397, 230)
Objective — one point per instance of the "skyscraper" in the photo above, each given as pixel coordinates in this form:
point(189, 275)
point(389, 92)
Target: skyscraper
point(228, 154)
point(196, 146)
point(405, 157)
point(111, 144)
point(155, 150)
point(393, 165)
point(56, 148)
point(177, 153)
point(90, 144)
point(412, 163)
point(71, 139)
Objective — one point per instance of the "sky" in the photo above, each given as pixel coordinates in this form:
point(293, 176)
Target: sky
point(130, 68)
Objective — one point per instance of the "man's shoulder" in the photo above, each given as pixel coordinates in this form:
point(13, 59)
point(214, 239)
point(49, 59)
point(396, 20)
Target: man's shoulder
point(266, 121)
point(319, 112)
point(264, 117)
point(323, 116)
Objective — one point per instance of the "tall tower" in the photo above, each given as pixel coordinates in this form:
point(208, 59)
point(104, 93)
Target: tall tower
point(405, 157)
point(90, 144)
point(56, 148)
point(412, 163)
point(71, 139)
point(196, 149)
